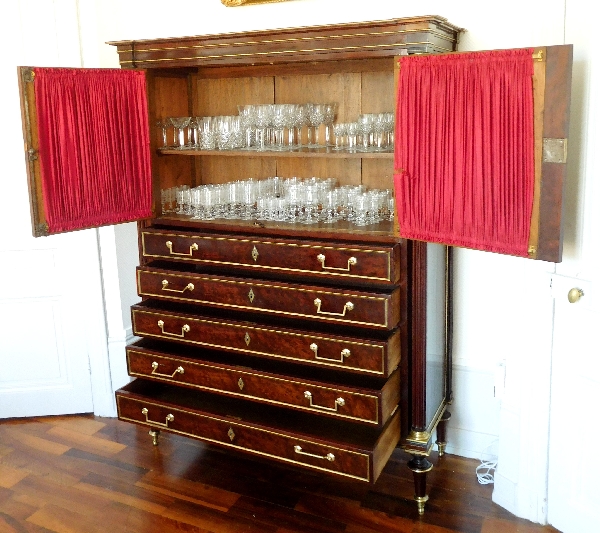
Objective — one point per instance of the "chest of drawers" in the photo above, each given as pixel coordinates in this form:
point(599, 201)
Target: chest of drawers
point(324, 346)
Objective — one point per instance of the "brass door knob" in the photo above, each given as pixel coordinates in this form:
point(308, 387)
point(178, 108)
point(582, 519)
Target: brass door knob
point(574, 295)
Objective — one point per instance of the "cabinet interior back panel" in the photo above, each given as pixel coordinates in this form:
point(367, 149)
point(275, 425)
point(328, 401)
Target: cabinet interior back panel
point(223, 169)
point(347, 171)
point(341, 88)
point(377, 92)
point(378, 173)
point(222, 96)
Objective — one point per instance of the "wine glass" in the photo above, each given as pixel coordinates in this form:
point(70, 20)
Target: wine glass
point(262, 122)
point(247, 122)
point(316, 116)
point(164, 125)
point(300, 120)
point(180, 123)
point(330, 114)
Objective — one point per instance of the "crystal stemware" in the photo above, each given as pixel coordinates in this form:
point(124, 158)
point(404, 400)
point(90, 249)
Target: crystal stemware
point(316, 116)
point(180, 123)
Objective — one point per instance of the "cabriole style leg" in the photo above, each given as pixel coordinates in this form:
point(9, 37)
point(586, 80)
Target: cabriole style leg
point(154, 433)
point(441, 433)
point(420, 466)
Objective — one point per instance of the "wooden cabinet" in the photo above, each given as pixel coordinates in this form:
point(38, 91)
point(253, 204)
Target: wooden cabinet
point(322, 346)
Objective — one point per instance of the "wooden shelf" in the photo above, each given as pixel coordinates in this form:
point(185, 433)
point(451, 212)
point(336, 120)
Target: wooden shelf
point(301, 152)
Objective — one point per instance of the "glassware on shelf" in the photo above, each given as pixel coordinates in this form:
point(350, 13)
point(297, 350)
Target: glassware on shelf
point(330, 114)
point(180, 124)
point(316, 116)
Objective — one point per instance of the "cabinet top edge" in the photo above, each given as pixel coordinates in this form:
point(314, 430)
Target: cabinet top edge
point(440, 22)
point(356, 40)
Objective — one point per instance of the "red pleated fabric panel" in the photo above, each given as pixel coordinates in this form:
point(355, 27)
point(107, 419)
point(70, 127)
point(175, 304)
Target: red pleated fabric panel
point(94, 146)
point(465, 149)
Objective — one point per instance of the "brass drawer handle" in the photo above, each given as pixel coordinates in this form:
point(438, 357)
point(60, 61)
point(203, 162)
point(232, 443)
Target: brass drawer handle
point(193, 247)
point(189, 287)
point(352, 261)
point(185, 329)
point(340, 402)
point(348, 306)
point(178, 370)
point(169, 418)
point(329, 456)
point(344, 353)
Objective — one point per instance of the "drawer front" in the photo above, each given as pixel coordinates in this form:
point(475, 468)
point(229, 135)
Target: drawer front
point(376, 357)
point(370, 264)
point(371, 310)
point(265, 442)
point(338, 402)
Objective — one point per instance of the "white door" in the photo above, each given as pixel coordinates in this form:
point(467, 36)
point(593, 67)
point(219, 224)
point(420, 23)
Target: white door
point(50, 303)
point(573, 496)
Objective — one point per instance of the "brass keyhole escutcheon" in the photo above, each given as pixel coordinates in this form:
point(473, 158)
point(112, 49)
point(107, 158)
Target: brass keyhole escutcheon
point(231, 434)
point(254, 254)
point(251, 295)
point(241, 384)
point(247, 339)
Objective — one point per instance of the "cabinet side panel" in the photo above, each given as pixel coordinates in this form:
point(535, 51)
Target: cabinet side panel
point(31, 145)
point(557, 97)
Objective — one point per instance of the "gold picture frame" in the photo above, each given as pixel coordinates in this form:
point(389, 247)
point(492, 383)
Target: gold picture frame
point(236, 3)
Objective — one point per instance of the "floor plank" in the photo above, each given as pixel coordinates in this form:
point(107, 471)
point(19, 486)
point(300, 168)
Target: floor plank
point(86, 474)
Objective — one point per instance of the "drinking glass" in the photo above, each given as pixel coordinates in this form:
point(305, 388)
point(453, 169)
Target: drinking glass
point(340, 131)
point(278, 121)
point(330, 114)
point(352, 132)
point(316, 116)
point(365, 129)
point(180, 123)
point(164, 125)
point(262, 122)
point(300, 120)
point(247, 123)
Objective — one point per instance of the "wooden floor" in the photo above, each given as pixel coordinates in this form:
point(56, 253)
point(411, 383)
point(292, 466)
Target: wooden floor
point(83, 474)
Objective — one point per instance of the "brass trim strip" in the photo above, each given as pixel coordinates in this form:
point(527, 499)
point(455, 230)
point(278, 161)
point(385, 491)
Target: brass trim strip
point(234, 44)
point(250, 450)
point(271, 243)
point(301, 384)
point(247, 349)
point(285, 52)
point(339, 318)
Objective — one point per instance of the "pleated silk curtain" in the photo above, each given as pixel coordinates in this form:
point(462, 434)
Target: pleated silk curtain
point(94, 146)
point(465, 149)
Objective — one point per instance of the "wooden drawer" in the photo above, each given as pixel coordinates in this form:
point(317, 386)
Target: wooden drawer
point(380, 310)
point(352, 451)
point(174, 365)
point(373, 264)
point(354, 354)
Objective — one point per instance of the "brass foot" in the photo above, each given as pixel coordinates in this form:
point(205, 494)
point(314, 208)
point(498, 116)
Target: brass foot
point(421, 503)
point(441, 448)
point(154, 434)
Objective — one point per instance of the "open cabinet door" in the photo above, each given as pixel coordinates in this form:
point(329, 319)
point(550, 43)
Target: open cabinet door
point(87, 147)
point(481, 149)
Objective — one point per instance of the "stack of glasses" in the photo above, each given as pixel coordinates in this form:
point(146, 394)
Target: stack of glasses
point(279, 127)
point(294, 200)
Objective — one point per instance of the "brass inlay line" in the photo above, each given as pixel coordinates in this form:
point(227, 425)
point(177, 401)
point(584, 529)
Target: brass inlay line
point(286, 52)
point(265, 454)
point(274, 331)
point(299, 384)
point(270, 243)
point(335, 316)
point(290, 40)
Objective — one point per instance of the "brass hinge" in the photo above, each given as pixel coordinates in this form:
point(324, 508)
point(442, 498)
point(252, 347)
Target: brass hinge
point(41, 230)
point(554, 150)
point(28, 75)
point(538, 56)
point(532, 250)
point(32, 154)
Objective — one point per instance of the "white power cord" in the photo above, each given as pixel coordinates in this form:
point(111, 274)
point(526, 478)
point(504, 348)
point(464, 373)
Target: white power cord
point(485, 471)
